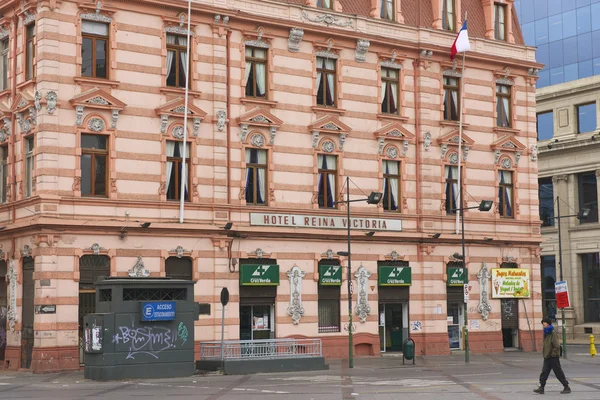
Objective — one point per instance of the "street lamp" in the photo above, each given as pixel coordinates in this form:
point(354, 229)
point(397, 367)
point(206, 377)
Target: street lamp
point(583, 214)
point(485, 205)
point(374, 198)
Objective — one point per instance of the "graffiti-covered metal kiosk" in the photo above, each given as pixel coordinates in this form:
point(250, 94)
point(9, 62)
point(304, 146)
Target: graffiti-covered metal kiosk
point(143, 328)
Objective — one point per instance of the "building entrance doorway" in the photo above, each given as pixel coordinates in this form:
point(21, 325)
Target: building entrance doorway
point(257, 322)
point(456, 322)
point(591, 286)
point(510, 323)
point(393, 326)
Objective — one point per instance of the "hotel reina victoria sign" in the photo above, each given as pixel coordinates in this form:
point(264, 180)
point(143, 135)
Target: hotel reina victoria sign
point(324, 222)
point(330, 275)
point(394, 276)
point(259, 275)
point(457, 276)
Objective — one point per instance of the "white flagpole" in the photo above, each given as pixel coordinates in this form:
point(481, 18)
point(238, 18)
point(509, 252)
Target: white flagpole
point(185, 118)
point(460, 131)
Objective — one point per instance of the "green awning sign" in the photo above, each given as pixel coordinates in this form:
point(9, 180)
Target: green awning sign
point(457, 276)
point(330, 275)
point(259, 275)
point(394, 276)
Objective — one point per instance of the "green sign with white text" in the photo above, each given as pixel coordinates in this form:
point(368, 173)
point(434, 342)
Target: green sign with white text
point(330, 275)
point(457, 276)
point(394, 276)
point(259, 275)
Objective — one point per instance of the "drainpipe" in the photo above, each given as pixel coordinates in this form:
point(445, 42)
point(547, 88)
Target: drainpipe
point(417, 88)
point(13, 129)
point(227, 88)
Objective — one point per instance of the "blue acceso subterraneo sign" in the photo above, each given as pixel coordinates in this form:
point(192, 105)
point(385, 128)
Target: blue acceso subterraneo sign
point(158, 311)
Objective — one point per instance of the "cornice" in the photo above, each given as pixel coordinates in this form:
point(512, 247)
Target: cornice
point(574, 91)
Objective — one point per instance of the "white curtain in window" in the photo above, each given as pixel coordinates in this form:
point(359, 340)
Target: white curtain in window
point(383, 92)
point(170, 153)
point(506, 194)
point(331, 165)
point(454, 109)
point(248, 153)
point(182, 41)
point(94, 28)
point(392, 169)
point(170, 54)
point(390, 9)
point(248, 68)
point(327, 3)
point(260, 72)
point(505, 111)
point(187, 167)
point(320, 64)
point(451, 172)
point(262, 160)
point(330, 65)
point(450, 14)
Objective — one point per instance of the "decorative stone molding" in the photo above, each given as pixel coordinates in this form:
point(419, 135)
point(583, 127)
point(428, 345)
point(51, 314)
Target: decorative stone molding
point(3, 33)
point(496, 156)
point(427, 141)
point(114, 119)
point(37, 100)
point(164, 120)
point(272, 133)
point(294, 39)
point(78, 115)
point(534, 152)
point(76, 187)
point(404, 148)
point(196, 127)
point(243, 132)
point(179, 250)
point(26, 251)
point(504, 81)
point(221, 119)
point(362, 305)
point(51, 100)
point(295, 309)
point(328, 146)
point(453, 158)
point(258, 253)
point(95, 249)
point(506, 163)
point(177, 132)
point(558, 178)
point(96, 125)
point(362, 48)
point(391, 61)
point(393, 255)
point(315, 139)
point(517, 158)
point(444, 150)
point(392, 152)
point(138, 270)
point(97, 16)
point(381, 145)
point(257, 140)
point(12, 304)
point(329, 254)
point(452, 72)
point(328, 19)
point(484, 307)
point(98, 100)
point(179, 29)
point(28, 18)
point(465, 152)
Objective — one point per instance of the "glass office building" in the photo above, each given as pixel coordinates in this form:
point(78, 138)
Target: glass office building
point(566, 34)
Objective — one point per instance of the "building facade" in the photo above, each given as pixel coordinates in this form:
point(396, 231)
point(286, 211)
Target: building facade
point(286, 100)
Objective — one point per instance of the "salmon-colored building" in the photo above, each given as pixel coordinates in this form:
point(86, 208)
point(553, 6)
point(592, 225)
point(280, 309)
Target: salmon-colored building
point(286, 100)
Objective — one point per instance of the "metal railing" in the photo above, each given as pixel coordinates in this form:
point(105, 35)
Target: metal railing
point(261, 349)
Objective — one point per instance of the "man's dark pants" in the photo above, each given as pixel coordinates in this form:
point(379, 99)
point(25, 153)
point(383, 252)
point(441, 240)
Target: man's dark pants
point(552, 364)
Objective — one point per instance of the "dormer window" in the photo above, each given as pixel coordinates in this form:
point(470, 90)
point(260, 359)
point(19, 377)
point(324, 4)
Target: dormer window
point(500, 21)
point(448, 15)
point(387, 9)
point(325, 4)
point(94, 49)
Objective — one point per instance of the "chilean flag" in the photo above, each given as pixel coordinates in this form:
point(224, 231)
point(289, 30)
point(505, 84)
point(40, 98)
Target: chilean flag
point(461, 43)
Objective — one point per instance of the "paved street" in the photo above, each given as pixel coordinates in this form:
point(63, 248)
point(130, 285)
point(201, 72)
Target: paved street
point(506, 376)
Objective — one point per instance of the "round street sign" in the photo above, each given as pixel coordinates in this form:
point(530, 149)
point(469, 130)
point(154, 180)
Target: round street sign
point(224, 296)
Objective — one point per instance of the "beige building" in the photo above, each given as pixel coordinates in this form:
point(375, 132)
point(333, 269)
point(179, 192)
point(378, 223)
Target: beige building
point(569, 169)
point(286, 100)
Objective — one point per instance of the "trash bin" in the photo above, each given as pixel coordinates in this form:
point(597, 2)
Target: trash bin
point(408, 350)
point(143, 328)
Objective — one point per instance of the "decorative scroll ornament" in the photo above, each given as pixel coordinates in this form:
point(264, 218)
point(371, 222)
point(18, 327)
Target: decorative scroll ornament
point(404, 148)
point(115, 118)
point(179, 250)
point(507, 163)
point(392, 152)
point(444, 150)
point(534, 152)
point(427, 141)
point(328, 20)
point(33, 115)
point(3, 33)
point(328, 147)
point(453, 73)
point(394, 255)
point(138, 270)
point(315, 139)
point(329, 253)
point(258, 42)
point(78, 115)
point(380, 145)
point(259, 253)
point(12, 305)
point(97, 16)
point(272, 134)
point(51, 100)
point(96, 249)
point(362, 48)
point(465, 152)
point(221, 119)
point(37, 100)
point(342, 140)
point(179, 30)
point(3, 135)
point(26, 251)
point(453, 158)
point(196, 127)
point(331, 126)
point(96, 125)
point(177, 132)
point(164, 120)
point(7, 127)
point(362, 306)
point(517, 158)
point(244, 132)
point(295, 309)
point(484, 307)
point(257, 140)
point(294, 39)
point(99, 101)
point(504, 81)
point(496, 156)
point(28, 18)
point(181, 110)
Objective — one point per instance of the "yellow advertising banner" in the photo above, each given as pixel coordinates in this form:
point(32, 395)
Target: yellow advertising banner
point(509, 283)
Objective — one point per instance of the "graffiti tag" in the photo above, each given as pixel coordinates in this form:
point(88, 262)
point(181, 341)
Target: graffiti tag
point(182, 332)
point(151, 340)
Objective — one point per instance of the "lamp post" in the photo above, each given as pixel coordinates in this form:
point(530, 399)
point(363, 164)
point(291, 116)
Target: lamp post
point(485, 205)
point(583, 214)
point(374, 198)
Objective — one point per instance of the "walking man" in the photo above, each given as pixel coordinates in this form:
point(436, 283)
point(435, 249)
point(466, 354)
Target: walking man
point(551, 358)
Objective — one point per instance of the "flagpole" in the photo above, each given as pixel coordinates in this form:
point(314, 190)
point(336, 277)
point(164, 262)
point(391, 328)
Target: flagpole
point(460, 131)
point(185, 119)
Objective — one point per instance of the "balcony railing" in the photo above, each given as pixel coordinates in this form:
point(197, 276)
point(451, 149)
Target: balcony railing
point(261, 349)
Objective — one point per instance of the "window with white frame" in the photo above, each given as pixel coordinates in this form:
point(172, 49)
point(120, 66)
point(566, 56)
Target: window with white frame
point(256, 176)
point(3, 64)
point(256, 72)
point(391, 185)
point(94, 49)
point(451, 189)
point(500, 21)
point(448, 22)
point(387, 9)
point(326, 74)
point(327, 180)
point(4, 172)
point(29, 164)
point(175, 169)
point(505, 193)
point(390, 83)
point(177, 60)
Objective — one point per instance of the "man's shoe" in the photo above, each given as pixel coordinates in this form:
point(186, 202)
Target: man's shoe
point(566, 390)
point(539, 390)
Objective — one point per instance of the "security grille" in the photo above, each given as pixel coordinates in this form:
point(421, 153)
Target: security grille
point(179, 268)
point(105, 294)
point(329, 304)
point(154, 294)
